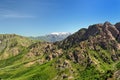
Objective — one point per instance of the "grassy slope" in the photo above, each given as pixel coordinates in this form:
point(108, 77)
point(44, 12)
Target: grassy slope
point(35, 72)
point(13, 45)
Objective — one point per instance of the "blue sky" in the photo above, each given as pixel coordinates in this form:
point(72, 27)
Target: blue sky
point(40, 17)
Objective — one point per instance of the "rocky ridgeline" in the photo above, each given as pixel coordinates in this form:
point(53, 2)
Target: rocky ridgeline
point(105, 31)
point(97, 37)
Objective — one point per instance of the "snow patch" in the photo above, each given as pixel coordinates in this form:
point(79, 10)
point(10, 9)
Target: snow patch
point(60, 33)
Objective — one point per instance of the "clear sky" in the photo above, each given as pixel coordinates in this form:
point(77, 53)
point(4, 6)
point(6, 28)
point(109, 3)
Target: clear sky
point(40, 17)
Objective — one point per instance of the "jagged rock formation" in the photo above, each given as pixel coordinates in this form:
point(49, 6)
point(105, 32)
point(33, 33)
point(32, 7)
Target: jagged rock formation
point(105, 31)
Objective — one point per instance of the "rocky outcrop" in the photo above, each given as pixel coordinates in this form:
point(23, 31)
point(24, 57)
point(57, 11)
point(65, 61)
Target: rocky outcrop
point(107, 31)
point(117, 75)
point(72, 39)
point(97, 37)
point(117, 25)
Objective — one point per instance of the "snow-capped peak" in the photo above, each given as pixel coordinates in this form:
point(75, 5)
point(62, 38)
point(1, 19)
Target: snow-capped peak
point(60, 33)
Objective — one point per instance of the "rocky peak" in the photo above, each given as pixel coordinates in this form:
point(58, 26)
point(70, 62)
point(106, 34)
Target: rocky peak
point(107, 23)
point(117, 25)
point(107, 31)
point(93, 30)
point(110, 30)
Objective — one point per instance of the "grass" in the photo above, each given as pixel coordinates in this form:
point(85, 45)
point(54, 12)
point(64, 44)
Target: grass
point(35, 72)
point(118, 65)
point(12, 60)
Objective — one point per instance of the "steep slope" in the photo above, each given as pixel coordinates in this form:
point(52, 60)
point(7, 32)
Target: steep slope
point(89, 54)
point(107, 31)
point(97, 47)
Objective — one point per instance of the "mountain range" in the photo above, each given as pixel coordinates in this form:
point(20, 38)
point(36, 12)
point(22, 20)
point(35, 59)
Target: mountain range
point(91, 53)
point(53, 37)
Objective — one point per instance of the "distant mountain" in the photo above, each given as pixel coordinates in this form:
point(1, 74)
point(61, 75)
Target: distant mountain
point(60, 33)
point(53, 37)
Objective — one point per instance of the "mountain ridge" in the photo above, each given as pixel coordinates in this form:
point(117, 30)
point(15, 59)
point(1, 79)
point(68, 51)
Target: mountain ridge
point(53, 37)
point(91, 53)
point(107, 29)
